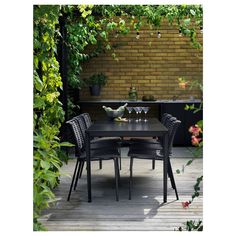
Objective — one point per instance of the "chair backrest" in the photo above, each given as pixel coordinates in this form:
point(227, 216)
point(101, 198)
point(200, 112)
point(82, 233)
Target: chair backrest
point(77, 117)
point(84, 122)
point(77, 134)
point(87, 120)
point(81, 123)
point(173, 126)
point(169, 122)
point(165, 118)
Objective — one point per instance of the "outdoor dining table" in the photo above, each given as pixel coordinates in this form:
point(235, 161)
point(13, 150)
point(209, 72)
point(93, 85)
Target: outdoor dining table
point(109, 128)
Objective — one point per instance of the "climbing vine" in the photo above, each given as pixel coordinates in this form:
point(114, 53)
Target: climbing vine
point(90, 26)
point(48, 113)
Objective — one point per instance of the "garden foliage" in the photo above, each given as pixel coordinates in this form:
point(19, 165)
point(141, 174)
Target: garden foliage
point(48, 112)
point(86, 26)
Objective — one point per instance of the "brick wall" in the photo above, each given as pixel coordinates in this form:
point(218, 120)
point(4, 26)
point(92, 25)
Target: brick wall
point(151, 64)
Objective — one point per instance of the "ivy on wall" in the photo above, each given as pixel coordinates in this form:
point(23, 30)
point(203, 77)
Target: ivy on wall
point(48, 112)
point(94, 24)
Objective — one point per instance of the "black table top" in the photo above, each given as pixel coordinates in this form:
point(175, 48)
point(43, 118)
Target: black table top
point(109, 128)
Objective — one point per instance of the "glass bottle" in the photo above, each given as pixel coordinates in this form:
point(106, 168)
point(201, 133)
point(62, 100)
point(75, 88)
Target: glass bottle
point(133, 95)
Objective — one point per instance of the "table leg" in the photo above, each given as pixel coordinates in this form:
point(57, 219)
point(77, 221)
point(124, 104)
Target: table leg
point(165, 167)
point(87, 147)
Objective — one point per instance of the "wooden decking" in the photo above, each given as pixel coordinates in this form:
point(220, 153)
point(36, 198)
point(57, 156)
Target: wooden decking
point(145, 211)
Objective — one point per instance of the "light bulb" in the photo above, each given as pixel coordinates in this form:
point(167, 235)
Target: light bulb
point(180, 33)
point(117, 34)
point(158, 34)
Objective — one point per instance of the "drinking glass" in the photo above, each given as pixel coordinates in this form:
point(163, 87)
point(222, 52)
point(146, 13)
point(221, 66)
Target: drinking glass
point(129, 109)
point(137, 110)
point(142, 110)
point(140, 113)
point(145, 109)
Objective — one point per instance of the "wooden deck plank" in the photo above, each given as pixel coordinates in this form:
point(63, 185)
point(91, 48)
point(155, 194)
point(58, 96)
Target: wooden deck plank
point(145, 211)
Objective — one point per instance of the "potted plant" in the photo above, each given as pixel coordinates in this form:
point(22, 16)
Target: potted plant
point(95, 82)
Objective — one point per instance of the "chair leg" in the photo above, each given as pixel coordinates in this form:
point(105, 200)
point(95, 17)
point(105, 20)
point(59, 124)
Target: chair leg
point(117, 161)
point(100, 164)
point(153, 164)
point(116, 168)
point(81, 170)
point(77, 175)
point(130, 177)
point(73, 178)
point(172, 180)
point(119, 150)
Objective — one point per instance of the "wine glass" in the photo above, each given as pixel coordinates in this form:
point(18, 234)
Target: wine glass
point(137, 110)
point(142, 109)
point(145, 109)
point(129, 109)
point(140, 113)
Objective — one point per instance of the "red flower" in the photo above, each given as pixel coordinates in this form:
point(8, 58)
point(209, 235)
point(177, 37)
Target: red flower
point(185, 204)
point(195, 141)
point(195, 130)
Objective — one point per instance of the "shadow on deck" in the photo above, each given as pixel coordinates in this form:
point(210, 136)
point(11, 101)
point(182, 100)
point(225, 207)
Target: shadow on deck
point(146, 210)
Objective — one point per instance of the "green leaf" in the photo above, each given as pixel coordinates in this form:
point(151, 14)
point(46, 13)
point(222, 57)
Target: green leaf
point(111, 25)
point(186, 107)
point(66, 144)
point(200, 123)
point(192, 12)
point(38, 83)
point(44, 164)
point(42, 153)
point(189, 162)
point(92, 39)
point(39, 102)
point(108, 47)
point(103, 34)
point(56, 164)
point(187, 21)
point(51, 96)
point(86, 13)
point(187, 31)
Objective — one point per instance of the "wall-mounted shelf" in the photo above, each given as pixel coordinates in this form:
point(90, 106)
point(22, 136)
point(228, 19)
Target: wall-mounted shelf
point(113, 101)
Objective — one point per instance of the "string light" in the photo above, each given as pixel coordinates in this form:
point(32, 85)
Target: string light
point(180, 33)
point(158, 34)
point(137, 35)
point(201, 30)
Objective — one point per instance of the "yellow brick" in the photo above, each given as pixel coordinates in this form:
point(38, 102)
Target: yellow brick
point(152, 69)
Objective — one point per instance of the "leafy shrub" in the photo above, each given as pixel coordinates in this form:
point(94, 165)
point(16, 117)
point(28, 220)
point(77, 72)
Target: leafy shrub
point(48, 112)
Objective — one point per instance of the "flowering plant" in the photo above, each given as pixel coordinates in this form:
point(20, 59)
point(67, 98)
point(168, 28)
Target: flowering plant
point(182, 83)
point(196, 131)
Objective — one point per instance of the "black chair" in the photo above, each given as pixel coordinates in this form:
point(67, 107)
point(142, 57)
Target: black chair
point(164, 120)
point(85, 122)
point(96, 155)
point(138, 151)
point(155, 142)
